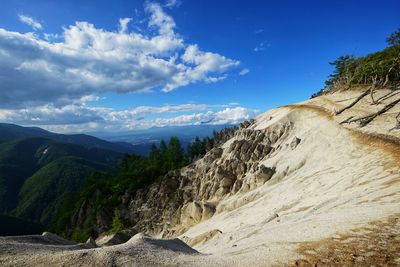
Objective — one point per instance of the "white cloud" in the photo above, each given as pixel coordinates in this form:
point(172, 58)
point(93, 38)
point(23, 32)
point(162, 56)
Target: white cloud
point(31, 22)
point(86, 60)
point(172, 3)
point(79, 117)
point(244, 72)
point(202, 64)
point(123, 24)
point(259, 31)
point(160, 19)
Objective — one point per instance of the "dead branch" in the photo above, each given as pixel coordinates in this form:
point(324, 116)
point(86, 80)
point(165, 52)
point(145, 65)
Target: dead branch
point(367, 119)
point(347, 120)
point(354, 102)
point(388, 95)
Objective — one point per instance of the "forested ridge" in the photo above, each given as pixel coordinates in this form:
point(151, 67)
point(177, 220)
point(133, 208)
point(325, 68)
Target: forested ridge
point(105, 190)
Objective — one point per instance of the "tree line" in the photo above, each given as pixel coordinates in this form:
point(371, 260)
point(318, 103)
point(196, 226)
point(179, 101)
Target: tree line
point(380, 69)
point(104, 189)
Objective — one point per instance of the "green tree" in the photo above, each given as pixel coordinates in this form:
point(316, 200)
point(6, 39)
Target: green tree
point(117, 225)
point(196, 149)
point(175, 156)
point(394, 38)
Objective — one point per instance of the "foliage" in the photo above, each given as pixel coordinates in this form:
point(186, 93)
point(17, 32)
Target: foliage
point(394, 38)
point(104, 189)
point(80, 235)
point(381, 68)
point(199, 147)
point(38, 174)
point(117, 225)
point(42, 193)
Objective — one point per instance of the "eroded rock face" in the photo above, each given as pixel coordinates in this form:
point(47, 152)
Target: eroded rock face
point(264, 173)
point(190, 195)
point(185, 197)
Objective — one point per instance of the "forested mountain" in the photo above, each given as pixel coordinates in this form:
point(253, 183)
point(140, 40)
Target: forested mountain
point(10, 132)
point(37, 174)
point(103, 192)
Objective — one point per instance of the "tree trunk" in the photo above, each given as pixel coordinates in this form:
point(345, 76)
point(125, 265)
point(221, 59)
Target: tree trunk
point(373, 87)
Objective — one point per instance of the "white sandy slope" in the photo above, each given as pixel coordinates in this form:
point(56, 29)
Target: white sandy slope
point(338, 178)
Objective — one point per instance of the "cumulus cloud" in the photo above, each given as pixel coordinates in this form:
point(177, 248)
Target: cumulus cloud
point(87, 60)
point(204, 64)
point(244, 72)
point(79, 117)
point(30, 22)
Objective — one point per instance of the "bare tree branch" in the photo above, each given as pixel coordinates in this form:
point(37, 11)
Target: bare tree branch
point(367, 119)
point(388, 95)
point(354, 102)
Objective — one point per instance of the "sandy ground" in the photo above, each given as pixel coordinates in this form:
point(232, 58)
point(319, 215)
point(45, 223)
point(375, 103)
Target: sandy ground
point(334, 200)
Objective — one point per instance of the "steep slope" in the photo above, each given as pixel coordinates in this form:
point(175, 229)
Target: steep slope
point(42, 194)
point(295, 175)
point(294, 187)
point(36, 173)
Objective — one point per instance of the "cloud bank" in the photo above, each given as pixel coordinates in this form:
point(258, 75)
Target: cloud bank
point(48, 79)
point(79, 117)
point(87, 60)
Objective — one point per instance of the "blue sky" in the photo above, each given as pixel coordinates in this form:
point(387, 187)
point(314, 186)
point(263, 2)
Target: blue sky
point(242, 57)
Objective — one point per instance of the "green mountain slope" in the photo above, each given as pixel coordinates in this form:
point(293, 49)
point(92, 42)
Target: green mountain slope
point(10, 132)
point(42, 194)
point(37, 174)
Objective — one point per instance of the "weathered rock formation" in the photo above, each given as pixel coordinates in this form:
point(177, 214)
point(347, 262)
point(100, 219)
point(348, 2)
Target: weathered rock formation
point(185, 197)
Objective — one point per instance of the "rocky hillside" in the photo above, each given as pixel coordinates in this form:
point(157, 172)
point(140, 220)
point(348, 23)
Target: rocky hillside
point(301, 184)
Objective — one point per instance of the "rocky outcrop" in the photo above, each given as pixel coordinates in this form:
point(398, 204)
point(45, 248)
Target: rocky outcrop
point(185, 197)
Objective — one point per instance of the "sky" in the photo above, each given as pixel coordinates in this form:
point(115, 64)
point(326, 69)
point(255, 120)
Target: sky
point(111, 66)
